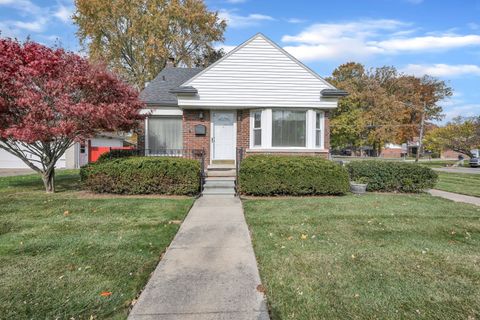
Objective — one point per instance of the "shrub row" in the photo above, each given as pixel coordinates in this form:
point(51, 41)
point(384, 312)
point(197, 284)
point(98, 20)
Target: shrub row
point(118, 153)
point(391, 176)
point(264, 175)
point(143, 175)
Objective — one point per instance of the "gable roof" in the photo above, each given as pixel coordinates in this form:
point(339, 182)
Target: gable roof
point(158, 91)
point(256, 36)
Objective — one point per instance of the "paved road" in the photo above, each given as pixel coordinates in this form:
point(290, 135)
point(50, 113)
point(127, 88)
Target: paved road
point(15, 172)
point(455, 196)
point(209, 272)
point(459, 170)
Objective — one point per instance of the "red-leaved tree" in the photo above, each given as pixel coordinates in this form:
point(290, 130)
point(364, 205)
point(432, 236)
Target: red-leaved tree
point(50, 98)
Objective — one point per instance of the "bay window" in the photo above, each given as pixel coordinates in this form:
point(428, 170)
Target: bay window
point(318, 129)
point(288, 128)
point(257, 128)
point(284, 128)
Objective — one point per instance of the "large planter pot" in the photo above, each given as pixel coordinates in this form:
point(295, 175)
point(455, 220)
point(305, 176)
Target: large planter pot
point(358, 188)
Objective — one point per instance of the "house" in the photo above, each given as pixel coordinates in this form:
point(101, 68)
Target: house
point(258, 98)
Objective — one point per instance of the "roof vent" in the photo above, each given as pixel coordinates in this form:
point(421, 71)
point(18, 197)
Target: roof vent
point(163, 78)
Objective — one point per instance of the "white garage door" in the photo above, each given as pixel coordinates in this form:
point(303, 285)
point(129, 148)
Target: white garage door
point(9, 161)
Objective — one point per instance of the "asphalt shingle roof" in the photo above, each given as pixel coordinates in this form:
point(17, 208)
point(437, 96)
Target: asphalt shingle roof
point(158, 90)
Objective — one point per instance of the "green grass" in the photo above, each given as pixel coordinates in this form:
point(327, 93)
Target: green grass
point(377, 256)
point(55, 264)
point(439, 163)
point(463, 183)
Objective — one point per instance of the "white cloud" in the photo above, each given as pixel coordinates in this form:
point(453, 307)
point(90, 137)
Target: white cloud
point(428, 43)
point(339, 40)
point(442, 70)
point(25, 6)
point(464, 110)
point(366, 38)
point(296, 20)
point(33, 26)
point(64, 13)
point(238, 21)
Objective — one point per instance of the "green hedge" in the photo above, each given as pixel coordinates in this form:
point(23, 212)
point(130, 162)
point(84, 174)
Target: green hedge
point(118, 153)
point(264, 175)
point(143, 175)
point(391, 176)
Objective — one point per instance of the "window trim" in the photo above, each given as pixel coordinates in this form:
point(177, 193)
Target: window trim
point(259, 128)
point(267, 128)
point(146, 128)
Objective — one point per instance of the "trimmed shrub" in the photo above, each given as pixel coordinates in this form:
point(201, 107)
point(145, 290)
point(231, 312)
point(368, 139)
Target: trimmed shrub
point(143, 175)
point(391, 176)
point(265, 175)
point(118, 153)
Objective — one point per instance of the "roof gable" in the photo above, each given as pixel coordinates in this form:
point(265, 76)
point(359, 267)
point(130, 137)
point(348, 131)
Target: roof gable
point(258, 37)
point(258, 73)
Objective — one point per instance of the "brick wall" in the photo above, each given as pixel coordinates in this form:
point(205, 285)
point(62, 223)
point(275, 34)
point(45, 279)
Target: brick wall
point(191, 141)
point(327, 131)
point(243, 129)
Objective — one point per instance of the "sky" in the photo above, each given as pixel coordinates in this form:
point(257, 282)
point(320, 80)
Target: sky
point(436, 37)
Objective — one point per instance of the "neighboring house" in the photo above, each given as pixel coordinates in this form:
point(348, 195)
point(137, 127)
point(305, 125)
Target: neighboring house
point(257, 97)
point(76, 156)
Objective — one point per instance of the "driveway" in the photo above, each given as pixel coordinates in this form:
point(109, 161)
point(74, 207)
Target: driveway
point(459, 170)
point(15, 172)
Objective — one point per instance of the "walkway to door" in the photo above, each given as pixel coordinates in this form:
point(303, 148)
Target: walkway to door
point(209, 272)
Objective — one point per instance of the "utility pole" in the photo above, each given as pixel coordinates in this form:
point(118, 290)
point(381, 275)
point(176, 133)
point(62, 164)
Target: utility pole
point(420, 138)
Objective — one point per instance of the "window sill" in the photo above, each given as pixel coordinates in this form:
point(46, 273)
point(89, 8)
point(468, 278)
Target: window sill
point(285, 150)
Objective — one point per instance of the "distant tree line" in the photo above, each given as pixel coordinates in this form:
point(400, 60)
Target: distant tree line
point(383, 105)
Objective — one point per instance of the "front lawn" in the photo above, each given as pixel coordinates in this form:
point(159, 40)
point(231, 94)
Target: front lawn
point(73, 255)
point(463, 183)
point(377, 256)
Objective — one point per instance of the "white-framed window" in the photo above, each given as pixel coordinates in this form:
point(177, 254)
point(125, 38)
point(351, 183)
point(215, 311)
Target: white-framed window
point(286, 128)
point(164, 133)
point(289, 128)
point(257, 128)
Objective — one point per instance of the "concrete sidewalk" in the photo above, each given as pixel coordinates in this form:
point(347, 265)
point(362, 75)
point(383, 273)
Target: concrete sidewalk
point(455, 196)
point(209, 271)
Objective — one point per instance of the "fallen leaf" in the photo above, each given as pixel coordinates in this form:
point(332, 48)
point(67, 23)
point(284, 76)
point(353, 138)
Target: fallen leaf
point(105, 293)
point(290, 238)
point(261, 288)
point(66, 213)
point(303, 237)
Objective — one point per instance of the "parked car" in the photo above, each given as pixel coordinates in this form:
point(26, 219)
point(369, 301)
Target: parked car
point(474, 162)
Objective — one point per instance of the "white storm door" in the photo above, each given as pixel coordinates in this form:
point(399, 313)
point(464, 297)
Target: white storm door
point(223, 140)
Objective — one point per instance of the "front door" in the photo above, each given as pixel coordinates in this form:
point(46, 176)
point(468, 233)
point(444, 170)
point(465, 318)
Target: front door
point(224, 135)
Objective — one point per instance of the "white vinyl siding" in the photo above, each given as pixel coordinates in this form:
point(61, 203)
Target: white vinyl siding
point(257, 74)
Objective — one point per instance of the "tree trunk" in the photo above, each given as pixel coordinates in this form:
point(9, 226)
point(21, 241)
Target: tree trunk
point(48, 178)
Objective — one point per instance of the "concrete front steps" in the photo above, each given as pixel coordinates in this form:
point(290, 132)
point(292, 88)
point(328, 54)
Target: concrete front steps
point(220, 180)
